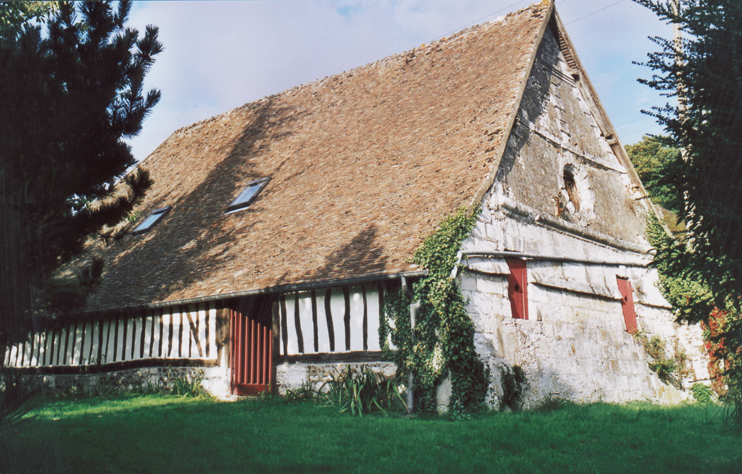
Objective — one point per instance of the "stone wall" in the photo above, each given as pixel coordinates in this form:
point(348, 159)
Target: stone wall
point(215, 380)
point(291, 376)
point(555, 133)
point(574, 345)
point(564, 202)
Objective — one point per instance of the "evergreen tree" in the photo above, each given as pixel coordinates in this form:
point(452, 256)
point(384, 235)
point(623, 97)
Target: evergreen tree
point(69, 95)
point(704, 72)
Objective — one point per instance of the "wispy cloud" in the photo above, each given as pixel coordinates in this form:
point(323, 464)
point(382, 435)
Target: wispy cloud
point(220, 55)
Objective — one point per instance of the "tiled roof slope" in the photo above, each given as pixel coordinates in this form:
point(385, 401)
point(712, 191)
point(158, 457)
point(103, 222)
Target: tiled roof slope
point(364, 164)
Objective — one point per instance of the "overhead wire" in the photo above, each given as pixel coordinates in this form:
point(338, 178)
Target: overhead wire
point(480, 19)
point(596, 11)
point(633, 109)
point(488, 16)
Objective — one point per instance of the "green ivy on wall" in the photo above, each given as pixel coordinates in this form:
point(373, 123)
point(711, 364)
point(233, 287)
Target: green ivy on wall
point(693, 301)
point(444, 344)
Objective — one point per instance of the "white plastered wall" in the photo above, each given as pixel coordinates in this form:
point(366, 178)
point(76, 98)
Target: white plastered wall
point(574, 344)
point(356, 303)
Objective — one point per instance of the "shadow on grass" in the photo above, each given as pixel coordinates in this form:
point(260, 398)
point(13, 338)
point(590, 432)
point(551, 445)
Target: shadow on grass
point(167, 434)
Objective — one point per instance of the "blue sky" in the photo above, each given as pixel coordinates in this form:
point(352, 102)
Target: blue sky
point(221, 55)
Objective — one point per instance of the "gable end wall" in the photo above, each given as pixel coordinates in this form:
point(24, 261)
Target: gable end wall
point(574, 345)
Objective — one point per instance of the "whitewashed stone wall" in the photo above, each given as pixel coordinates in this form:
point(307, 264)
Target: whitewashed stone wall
point(295, 375)
point(214, 380)
point(574, 345)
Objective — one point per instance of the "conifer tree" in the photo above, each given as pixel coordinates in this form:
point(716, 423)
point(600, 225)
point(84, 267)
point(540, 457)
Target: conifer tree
point(703, 71)
point(71, 88)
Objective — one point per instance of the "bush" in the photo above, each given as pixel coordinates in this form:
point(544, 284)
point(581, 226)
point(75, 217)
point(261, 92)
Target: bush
point(667, 368)
point(702, 393)
point(189, 387)
point(360, 391)
point(513, 385)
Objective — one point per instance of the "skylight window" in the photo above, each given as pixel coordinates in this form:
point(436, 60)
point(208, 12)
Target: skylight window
point(248, 195)
point(151, 220)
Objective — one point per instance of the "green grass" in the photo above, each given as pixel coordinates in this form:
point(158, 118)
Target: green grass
point(166, 434)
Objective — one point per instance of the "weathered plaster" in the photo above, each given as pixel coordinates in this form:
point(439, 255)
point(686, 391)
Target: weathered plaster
point(554, 129)
point(574, 345)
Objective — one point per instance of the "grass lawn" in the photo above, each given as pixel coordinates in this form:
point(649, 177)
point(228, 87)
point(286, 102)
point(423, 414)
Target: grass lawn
point(143, 434)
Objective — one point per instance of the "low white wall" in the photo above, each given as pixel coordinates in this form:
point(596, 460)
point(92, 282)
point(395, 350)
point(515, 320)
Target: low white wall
point(291, 376)
point(214, 380)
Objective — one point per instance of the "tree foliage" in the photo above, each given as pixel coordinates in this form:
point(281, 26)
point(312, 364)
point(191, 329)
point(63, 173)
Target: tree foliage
point(72, 90)
point(13, 15)
point(704, 71)
point(654, 162)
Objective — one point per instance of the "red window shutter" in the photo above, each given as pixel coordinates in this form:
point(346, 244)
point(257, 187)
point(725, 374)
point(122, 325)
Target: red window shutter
point(518, 288)
point(627, 304)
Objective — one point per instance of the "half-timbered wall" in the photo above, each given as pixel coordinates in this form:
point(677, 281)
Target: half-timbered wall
point(180, 333)
point(341, 319)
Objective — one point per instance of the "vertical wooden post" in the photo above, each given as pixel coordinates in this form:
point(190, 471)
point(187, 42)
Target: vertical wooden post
point(315, 326)
point(231, 358)
point(276, 323)
point(346, 316)
point(328, 317)
point(297, 324)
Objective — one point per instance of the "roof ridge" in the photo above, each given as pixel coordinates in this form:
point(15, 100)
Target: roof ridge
point(458, 36)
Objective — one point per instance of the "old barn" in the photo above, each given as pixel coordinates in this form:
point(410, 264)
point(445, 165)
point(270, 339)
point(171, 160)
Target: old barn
point(265, 248)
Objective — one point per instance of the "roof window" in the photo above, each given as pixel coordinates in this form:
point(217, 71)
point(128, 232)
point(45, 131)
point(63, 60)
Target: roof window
point(248, 195)
point(151, 220)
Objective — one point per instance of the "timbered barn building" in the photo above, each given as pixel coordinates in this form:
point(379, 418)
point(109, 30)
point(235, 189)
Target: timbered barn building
point(272, 234)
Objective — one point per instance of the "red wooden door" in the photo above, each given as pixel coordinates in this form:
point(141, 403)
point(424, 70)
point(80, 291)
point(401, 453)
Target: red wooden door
point(627, 304)
point(251, 353)
point(518, 288)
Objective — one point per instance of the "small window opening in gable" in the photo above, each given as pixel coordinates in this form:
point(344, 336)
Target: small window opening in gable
point(576, 199)
point(248, 195)
point(518, 288)
point(151, 220)
point(571, 186)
